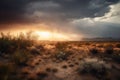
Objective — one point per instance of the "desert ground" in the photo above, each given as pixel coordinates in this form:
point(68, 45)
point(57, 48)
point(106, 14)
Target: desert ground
point(23, 59)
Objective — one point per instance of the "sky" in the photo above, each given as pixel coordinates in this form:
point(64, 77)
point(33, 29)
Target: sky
point(69, 19)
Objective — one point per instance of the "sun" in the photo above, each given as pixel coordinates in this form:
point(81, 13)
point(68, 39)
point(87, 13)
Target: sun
point(50, 36)
point(43, 35)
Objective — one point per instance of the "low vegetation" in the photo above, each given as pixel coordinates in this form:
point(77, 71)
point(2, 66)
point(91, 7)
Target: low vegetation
point(94, 67)
point(22, 58)
point(9, 43)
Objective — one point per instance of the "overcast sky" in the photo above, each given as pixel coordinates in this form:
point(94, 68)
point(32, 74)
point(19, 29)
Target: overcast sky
point(90, 18)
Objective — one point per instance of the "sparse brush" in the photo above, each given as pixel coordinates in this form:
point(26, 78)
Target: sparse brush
point(109, 50)
point(42, 75)
point(61, 45)
point(87, 43)
point(100, 45)
point(9, 43)
point(20, 57)
point(62, 55)
point(118, 45)
point(71, 65)
point(5, 43)
point(94, 51)
point(6, 70)
point(54, 70)
point(116, 58)
point(40, 47)
point(64, 66)
point(35, 51)
point(96, 68)
point(48, 69)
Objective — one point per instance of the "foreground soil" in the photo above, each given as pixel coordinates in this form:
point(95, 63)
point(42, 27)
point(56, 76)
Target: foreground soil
point(64, 61)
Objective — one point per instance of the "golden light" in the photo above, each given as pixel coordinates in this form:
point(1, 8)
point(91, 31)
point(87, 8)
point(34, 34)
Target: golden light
point(48, 35)
point(51, 36)
point(43, 35)
point(44, 32)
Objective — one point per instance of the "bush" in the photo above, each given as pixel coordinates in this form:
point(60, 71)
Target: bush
point(35, 51)
point(62, 55)
point(93, 67)
point(40, 47)
point(109, 50)
point(20, 57)
point(94, 51)
point(61, 45)
point(118, 45)
point(6, 70)
point(42, 75)
point(9, 43)
point(116, 57)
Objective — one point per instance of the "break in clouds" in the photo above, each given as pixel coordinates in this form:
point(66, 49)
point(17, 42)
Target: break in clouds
point(91, 18)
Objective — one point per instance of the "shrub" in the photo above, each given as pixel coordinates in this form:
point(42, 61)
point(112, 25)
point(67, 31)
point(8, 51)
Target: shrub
point(118, 45)
point(48, 69)
point(6, 70)
point(64, 66)
point(40, 47)
point(61, 45)
point(93, 67)
point(54, 70)
point(41, 75)
point(34, 51)
point(109, 50)
point(94, 51)
point(5, 43)
point(8, 43)
point(116, 57)
point(62, 55)
point(20, 57)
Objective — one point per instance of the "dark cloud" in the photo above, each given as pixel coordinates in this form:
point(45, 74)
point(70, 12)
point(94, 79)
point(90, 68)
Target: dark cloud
point(15, 10)
point(71, 9)
point(59, 14)
point(11, 9)
point(97, 29)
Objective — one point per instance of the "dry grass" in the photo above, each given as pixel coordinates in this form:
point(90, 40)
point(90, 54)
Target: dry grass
point(56, 58)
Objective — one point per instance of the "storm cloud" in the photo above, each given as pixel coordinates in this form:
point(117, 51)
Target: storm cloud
point(88, 17)
point(16, 10)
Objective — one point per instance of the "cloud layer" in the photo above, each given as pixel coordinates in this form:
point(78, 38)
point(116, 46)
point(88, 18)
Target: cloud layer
point(12, 10)
point(87, 17)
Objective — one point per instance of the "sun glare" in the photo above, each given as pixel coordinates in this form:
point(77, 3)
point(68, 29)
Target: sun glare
point(49, 36)
point(43, 35)
point(52, 36)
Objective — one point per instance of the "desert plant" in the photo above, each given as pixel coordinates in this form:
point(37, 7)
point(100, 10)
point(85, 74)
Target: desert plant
point(41, 75)
point(35, 51)
point(94, 51)
point(64, 66)
point(40, 47)
point(6, 70)
point(54, 70)
point(5, 43)
point(118, 45)
point(61, 45)
point(109, 50)
point(23, 41)
point(93, 67)
point(20, 57)
point(62, 55)
point(116, 57)
point(9, 43)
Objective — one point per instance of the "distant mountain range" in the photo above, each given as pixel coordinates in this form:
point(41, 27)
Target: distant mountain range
point(101, 39)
